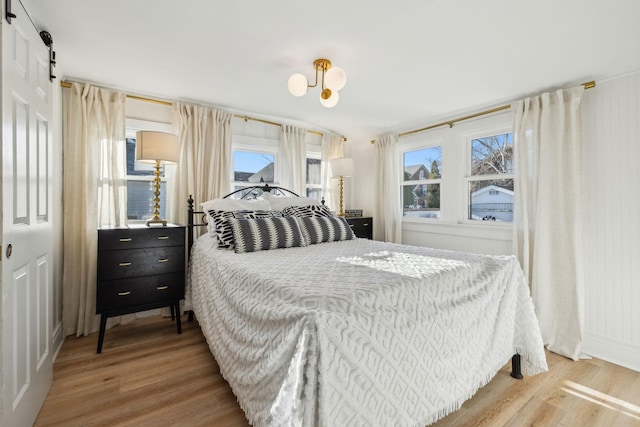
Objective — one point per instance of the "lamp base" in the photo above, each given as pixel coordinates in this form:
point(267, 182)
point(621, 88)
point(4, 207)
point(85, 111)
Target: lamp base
point(156, 221)
point(341, 207)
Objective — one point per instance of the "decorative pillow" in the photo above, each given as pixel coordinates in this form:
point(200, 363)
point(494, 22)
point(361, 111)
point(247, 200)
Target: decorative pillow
point(261, 234)
point(223, 230)
point(278, 203)
point(307, 211)
point(325, 229)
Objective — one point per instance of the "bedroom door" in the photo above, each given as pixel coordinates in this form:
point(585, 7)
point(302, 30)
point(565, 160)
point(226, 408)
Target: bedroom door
point(26, 254)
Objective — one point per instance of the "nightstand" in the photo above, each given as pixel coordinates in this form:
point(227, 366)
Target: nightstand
point(361, 226)
point(139, 268)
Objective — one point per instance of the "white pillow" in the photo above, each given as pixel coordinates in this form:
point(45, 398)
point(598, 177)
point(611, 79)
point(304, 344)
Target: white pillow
point(234, 205)
point(278, 203)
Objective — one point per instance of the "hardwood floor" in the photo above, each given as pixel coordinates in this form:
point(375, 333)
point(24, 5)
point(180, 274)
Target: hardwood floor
point(148, 375)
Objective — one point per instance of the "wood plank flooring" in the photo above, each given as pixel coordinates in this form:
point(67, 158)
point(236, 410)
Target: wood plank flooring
point(147, 375)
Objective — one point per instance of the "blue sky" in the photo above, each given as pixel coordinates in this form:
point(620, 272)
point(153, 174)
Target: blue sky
point(245, 161)
point(424, 156)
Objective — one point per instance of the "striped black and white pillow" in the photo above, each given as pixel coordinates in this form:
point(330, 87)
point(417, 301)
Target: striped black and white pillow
point(325, 229)
point(222, 227)
point(307, 211)
point(261, 234)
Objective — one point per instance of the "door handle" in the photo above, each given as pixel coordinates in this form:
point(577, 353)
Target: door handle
point(9, 250)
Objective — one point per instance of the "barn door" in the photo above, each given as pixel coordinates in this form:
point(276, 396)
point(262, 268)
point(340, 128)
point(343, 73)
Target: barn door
point(27, 273)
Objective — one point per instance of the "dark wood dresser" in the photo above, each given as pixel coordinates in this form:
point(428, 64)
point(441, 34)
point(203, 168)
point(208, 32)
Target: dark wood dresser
point(139, 268)
point(362, 226)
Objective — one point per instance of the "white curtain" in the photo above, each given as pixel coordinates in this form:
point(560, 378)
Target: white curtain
point(547, 212)
point(204, 168)
point(95, 194)
point(388, 210)
point(292, 165)
point(332, 148)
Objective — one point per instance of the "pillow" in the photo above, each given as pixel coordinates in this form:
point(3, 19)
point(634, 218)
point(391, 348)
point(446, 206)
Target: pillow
point(235, 205)
point(261, 234)
point(222, 228)
point(305, 211)
point(278, 203)
point(325, 229)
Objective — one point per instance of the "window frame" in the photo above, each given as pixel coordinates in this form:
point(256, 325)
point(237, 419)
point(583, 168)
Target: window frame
point(468, 177)
point(315, 154)
point(252, 148)
point(417, 145)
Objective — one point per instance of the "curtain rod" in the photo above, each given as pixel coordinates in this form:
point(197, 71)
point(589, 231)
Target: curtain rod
point(450, 123)
point(66, 84)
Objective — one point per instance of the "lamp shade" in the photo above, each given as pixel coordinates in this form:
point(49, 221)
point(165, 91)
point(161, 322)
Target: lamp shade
point(341, 167)
point(335, 79)
point(297, 85)
point(152, 146)
point(332, 101)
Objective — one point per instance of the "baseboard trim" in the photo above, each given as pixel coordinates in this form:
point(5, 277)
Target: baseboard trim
point(620, 353)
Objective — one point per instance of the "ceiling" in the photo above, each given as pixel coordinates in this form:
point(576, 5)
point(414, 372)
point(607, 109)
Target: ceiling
point(409, 63)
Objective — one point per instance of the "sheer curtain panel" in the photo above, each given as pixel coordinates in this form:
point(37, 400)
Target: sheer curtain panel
point(293, 162)
point(332, 148)
point(95, 194)
point(204, 168)
point(388, 176)
point(547, 212)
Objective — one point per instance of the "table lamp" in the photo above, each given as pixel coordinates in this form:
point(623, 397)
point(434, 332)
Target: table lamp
point(341, 168)
point(156, 148)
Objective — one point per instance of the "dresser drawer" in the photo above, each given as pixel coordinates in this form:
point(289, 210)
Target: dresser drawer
point(140, 262)
point(124, 293)
point(130, 238)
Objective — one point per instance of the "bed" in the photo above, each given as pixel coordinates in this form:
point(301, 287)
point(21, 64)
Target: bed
point(355, 332)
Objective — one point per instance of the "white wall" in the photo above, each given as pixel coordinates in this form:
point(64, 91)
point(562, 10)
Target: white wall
point(612, 224)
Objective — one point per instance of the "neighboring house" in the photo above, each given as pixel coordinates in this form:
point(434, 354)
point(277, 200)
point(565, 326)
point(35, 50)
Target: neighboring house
point(419, 192)
point(492, 203)
point(263, 175)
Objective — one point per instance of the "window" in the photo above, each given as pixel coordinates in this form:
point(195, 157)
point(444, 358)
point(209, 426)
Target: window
point(140, 185)
point(421, 182)
point(252, 168)
point(490, 178)
point(314, 178)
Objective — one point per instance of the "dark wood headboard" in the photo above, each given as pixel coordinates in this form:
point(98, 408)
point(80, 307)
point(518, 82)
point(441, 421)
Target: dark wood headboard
point(194, 219)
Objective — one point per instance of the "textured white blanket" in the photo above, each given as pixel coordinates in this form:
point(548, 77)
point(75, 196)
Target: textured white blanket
point(360, 333)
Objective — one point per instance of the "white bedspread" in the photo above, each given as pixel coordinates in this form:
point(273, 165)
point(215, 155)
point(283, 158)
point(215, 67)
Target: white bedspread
point(360, 333)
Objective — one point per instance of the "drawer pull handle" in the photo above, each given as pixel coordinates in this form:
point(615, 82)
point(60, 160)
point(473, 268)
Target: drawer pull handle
point(365, 225)
point(122, 294)
point(126, 239)
point(124, 264)
point(163, 237)
point(351, 225)
point(162, 288)
point(163, 260)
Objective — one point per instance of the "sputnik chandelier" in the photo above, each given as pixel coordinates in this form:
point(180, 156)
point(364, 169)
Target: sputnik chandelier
point(333, 79)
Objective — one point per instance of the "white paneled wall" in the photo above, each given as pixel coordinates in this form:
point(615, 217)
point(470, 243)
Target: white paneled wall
point(459, 237)
point(612, 221)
